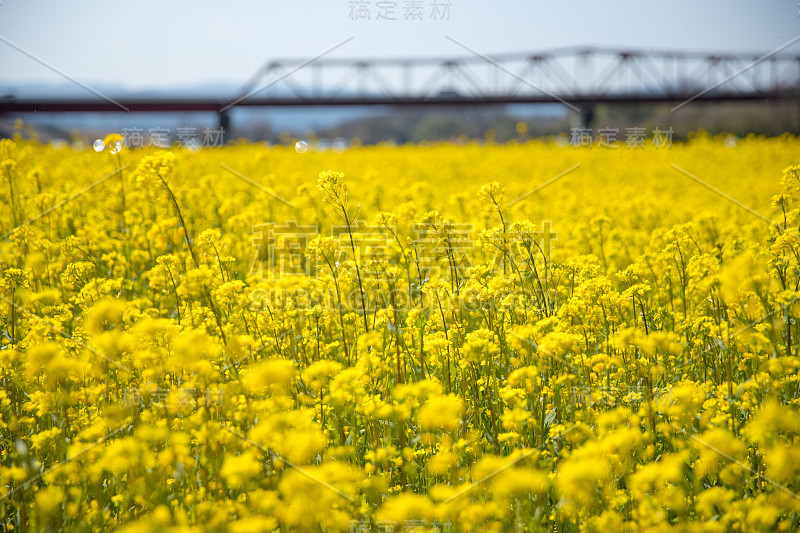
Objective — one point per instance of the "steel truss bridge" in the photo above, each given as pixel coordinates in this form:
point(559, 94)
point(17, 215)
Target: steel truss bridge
point(578, 78)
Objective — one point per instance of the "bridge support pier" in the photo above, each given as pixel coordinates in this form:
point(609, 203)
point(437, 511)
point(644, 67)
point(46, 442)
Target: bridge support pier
point(583, 118)
point(225, 123)
point(587, 116)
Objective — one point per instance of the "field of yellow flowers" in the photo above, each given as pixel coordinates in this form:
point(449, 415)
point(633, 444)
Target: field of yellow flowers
point(475, 337)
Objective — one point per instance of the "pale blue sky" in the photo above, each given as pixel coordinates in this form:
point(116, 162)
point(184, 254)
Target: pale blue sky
point(171, 44)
